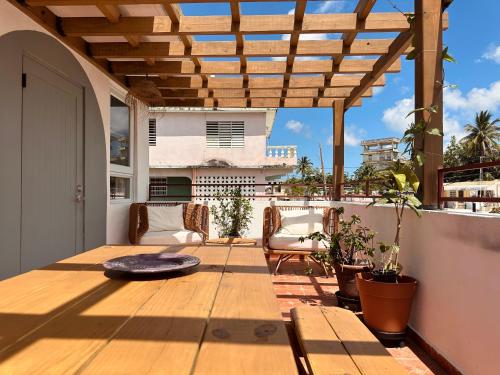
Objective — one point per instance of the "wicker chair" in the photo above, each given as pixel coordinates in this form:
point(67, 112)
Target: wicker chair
point(195, 217)
point(272, 223)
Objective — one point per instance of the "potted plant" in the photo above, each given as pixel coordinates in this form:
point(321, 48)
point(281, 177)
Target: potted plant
point(233, 213)
point(345, 253)
point(386, 295)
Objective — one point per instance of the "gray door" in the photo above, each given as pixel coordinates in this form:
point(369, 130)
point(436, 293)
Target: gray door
point(52, 167)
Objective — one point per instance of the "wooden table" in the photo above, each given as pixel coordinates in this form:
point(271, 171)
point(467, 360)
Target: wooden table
point(70, 318)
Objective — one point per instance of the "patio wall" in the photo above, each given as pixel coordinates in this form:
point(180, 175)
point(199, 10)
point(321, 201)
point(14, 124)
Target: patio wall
point(456, 258)
point(115, 219)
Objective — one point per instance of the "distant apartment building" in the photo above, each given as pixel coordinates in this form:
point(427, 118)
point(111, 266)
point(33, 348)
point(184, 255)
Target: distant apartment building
point(380, 152)
point(193, 150)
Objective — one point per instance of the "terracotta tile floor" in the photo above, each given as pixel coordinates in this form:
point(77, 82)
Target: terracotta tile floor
point(294, 288)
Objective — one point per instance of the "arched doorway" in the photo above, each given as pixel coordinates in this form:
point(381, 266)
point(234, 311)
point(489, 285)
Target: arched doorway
point(52, 155)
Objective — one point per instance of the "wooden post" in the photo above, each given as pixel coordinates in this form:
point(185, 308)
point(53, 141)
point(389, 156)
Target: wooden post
point(338, 148)
point(429, 92)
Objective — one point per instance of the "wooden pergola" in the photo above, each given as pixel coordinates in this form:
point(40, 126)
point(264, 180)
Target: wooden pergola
point(293, 72)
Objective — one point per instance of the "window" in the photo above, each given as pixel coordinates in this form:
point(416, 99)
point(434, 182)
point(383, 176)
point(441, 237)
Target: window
point(152, 132)
point(119, 133)
point(119, 187)
point(157, 187)
point(225, 134)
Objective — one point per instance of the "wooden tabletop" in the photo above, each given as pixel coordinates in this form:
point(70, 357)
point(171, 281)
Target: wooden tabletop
point(232, 241)
point(69, 317)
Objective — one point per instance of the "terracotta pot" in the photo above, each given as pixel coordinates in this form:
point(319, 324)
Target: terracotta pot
point(346, 278)
point(386, 306)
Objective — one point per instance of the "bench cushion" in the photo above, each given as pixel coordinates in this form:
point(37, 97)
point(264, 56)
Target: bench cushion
point(173, 237)
point(301, 222)
point(165, 218)
point(284, 241)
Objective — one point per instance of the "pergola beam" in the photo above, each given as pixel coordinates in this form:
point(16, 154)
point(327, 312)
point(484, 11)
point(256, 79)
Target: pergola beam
point(401, 43)
point(253, 67)
point(223, 25)
point(257, 93)
point(250, 48)
point(338, 148)
point(296, 82)
point(429, 92)
point(252, 103)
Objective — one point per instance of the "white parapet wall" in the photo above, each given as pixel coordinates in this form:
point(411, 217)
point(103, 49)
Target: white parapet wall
point(456, 259)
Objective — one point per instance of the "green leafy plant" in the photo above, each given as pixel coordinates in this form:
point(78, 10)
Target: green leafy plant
point(347, 245)
point(233, 213)
point(418, 130)
point(401, 186)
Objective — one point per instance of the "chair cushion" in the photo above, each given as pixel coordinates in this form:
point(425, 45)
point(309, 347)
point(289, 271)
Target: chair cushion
point(171, 237)
point(165, 218)
point(285, 241)
point(301, 222)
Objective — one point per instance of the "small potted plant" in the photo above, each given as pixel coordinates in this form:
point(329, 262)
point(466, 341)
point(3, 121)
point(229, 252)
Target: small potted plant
point(346, 250)
point(386, 295)
point(233, 213)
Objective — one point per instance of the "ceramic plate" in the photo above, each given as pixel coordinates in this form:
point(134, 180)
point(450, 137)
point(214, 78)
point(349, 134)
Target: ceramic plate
point(152, 263)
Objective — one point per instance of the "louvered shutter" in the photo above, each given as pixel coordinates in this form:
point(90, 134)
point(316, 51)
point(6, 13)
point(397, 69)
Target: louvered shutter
point(225, 134)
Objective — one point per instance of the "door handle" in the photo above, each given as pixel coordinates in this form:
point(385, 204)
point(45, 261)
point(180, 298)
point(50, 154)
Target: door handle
point(79, 194)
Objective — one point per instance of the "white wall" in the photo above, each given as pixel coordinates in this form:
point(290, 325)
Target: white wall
point(12, 19)
point(181, 138)
point(456, 259)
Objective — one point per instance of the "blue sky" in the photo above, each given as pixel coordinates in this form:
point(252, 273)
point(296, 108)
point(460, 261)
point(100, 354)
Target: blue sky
point(473, 39)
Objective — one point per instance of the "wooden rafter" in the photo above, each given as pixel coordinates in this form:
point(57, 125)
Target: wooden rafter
point(401, 43)
point(362, 11)
point(253, 67)
point(250, 48)
point(254, 103)
point(343, 92)
point(296, 82)
point(223, 25)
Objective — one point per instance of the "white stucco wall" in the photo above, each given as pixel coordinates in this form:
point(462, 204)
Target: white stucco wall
point(181, 139)
point(12, 19)
point(456, 259)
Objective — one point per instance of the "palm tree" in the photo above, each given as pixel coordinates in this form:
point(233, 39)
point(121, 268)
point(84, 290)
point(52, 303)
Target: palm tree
point(483, 136)
point(304, 166)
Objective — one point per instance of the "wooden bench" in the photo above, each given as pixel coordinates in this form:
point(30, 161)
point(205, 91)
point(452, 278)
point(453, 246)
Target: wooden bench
point(334, 341)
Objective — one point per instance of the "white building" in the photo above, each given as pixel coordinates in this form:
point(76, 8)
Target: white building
point(380, 152)
point(204, 146)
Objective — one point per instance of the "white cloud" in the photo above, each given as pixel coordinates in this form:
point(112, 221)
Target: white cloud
point(352, 136)
point(492, 53)
point(298, 127)
point(394, 117)
point(295, 126)
point(330, 6)
point(477, 99)
point(378, 90)
point(459, 109)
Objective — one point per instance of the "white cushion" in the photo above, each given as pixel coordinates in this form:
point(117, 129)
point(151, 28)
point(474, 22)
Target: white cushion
point(301, 222)
point(185, 237)
point(162, 218)
point(283, 241)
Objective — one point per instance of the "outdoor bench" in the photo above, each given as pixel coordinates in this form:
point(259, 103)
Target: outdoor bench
point(334, 341)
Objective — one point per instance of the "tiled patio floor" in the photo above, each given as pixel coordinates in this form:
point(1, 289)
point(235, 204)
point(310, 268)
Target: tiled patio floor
point(294, 288)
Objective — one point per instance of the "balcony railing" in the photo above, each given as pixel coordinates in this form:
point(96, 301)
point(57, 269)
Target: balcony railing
point(287, 152)
point(278, 191)
point(481, 197)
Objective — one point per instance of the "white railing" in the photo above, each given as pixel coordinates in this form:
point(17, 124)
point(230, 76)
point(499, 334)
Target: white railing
point(288, 152)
